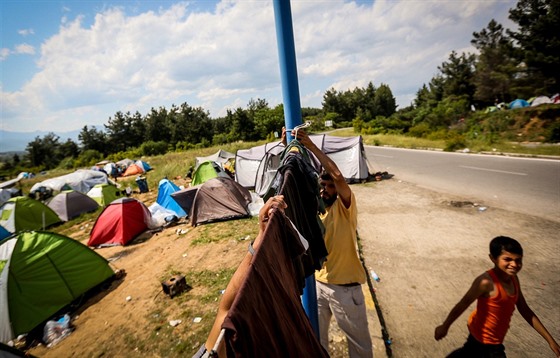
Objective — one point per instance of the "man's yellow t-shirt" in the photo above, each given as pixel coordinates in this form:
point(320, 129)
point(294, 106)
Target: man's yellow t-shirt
point(343, 264)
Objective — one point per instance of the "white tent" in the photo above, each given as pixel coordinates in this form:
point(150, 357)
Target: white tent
point(247, 162)
point(81, 180)
point(220, 157)
point(347, 152)
point(540, 100)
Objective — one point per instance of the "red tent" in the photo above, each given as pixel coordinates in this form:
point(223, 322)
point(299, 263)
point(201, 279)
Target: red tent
point(120, 222)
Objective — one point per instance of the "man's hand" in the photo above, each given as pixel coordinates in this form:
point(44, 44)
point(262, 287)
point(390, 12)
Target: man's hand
point(264, 214)
point(302, 136)
point(283, 139)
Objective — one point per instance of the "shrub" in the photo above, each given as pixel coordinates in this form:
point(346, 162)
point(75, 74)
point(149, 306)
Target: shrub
point(182, 146)
point(151, 148)
point(421, 130)
point(67, 163)
point(220, 138)
point(88, 158)
point(455, 141)
point(358, 124)
point(552, 134)
point(439, 134)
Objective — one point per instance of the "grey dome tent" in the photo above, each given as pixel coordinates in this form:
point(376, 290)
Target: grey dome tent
point(70, 204)
point(220, 199)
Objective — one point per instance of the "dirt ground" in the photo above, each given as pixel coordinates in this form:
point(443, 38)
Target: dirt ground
point(425, 246)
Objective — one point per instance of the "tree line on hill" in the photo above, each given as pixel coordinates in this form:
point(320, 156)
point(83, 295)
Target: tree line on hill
point(509, 64)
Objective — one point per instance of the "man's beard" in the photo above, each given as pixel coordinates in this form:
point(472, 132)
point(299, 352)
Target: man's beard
point(329, 201)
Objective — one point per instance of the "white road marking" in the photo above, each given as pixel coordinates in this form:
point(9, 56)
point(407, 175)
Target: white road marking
point(492, 170)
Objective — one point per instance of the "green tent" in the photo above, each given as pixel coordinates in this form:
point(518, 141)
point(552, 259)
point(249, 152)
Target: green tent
point(104, 194)
point(41, 273)
point(207, 170)
point(24, 213)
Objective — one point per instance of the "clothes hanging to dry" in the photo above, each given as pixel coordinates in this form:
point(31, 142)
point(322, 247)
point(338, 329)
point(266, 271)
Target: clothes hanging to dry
point(266, 318)
point(300, 187)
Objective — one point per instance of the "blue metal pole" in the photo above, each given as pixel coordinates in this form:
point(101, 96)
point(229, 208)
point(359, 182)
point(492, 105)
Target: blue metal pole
point(292, 115)
point(288, 67)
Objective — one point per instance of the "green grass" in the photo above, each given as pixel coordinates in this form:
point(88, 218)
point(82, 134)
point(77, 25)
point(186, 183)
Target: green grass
point(227, 230)
point(529, 149)
point(474, 146)
point(170, 342)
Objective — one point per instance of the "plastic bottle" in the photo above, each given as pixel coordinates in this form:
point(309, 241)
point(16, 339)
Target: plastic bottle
point(374, 276)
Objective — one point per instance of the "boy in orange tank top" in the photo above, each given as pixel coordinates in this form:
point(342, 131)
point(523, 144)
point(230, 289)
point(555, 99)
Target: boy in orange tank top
point(497, 292)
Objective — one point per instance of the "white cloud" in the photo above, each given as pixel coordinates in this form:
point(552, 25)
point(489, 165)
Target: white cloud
point(4, 53)
point(26, 32)
point(221, 59)
point(25, 49)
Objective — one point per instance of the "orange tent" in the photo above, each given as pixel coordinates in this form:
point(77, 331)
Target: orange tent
point(133, 169)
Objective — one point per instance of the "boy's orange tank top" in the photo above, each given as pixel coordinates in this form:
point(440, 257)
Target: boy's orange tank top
point(489, 322)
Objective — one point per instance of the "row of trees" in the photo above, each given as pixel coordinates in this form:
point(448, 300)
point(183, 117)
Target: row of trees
point(184, 127)
point(509, 64)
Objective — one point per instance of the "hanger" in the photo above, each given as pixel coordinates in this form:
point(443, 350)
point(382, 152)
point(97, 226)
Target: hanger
point(214, 352)
point(296, 128)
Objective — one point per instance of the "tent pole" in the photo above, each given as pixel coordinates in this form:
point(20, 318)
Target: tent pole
point(292, 115)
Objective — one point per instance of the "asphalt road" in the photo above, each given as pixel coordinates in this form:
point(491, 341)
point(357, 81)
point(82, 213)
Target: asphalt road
point(524, 185)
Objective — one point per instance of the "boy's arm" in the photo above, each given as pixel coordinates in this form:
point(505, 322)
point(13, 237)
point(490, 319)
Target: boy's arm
point(482, 285)
point(535, 322)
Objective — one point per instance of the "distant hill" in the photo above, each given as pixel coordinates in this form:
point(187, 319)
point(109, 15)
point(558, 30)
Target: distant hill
point(17, 141)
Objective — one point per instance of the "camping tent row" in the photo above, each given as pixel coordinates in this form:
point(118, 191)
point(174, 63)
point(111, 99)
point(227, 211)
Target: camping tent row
point(254, 165)
point(125, 219)
point(40, 274)
point(521, 103)
point(25, 213)
point(120, 221)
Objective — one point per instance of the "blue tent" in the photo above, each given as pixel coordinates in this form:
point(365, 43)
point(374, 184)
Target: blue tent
point(518, 103)
point(3, 233)
point(165, 189)
point(142, 164)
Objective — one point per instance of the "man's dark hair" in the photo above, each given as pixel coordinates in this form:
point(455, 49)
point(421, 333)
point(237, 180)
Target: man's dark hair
point(325, 176)
point(504, 243)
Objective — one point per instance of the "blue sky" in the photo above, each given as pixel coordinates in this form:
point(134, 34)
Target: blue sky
point(67, 64)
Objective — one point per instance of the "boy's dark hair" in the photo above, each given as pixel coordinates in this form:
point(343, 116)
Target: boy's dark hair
point(504, 243)
point(325, 176)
